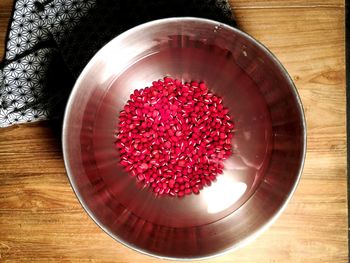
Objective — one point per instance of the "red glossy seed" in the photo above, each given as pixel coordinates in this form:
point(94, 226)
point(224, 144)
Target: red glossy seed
point(167, 144)
point(229, 124)
point(178, 133)
point(124, 163)
point(168, 80)
point(180, 194)
point(195, 190)
point(171, 183)
point(182, 163)
point(188, 191)
point(144, 166)
point(140, 177)
point(174, 137)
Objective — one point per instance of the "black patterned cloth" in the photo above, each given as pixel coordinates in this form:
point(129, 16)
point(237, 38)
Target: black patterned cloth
point(50, 41)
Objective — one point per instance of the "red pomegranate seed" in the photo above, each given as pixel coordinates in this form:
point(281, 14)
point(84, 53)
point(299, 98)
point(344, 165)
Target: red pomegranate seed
point(174, 136)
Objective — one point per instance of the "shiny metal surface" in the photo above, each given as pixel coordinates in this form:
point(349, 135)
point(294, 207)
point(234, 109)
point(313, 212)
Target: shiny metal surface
point(258, 180)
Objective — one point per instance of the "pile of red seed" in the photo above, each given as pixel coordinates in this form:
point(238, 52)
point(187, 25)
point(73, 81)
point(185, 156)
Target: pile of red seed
point(174, 136)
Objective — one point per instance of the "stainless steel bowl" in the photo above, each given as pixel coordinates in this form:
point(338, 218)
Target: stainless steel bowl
point(269, 144)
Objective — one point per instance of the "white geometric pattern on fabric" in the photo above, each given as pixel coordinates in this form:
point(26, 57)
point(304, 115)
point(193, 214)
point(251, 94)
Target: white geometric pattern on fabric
point(62, 15)
point(23, 81)
point(27, 29)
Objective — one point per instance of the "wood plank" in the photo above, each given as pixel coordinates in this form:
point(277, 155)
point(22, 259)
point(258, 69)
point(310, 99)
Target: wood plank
point(41, 219)
point(5, 12)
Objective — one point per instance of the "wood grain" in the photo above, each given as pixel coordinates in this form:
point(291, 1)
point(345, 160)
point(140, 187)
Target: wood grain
point(41, 219)
point(5, 12)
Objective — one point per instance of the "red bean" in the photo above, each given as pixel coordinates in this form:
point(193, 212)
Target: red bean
point(188, 191)
point(174, 136)
point(195, 190)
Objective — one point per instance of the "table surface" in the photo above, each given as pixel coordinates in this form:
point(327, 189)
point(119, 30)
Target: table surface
point(41, 219)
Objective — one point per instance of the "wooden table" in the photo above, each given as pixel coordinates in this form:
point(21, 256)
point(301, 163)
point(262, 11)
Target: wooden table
point(41, 219)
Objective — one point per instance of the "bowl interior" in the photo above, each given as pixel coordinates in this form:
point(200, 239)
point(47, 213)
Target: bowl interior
point(269, 142)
